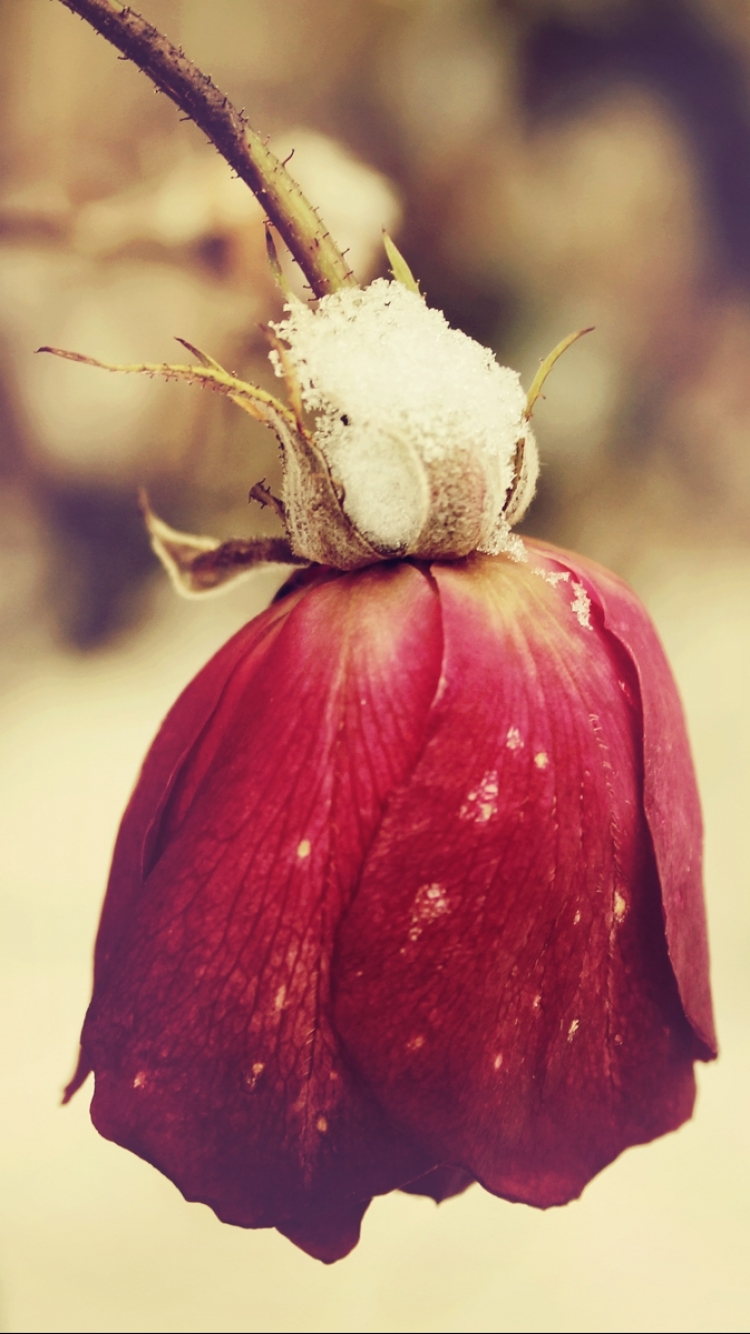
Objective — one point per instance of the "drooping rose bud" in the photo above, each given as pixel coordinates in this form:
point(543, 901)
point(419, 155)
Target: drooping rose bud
point(408, 894)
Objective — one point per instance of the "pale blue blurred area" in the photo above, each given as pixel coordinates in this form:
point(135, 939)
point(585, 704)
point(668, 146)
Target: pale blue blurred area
point(526, 217)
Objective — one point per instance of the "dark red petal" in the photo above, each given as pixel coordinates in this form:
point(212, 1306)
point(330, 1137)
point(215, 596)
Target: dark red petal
point(326, 1234)
point(177, 736)
point(210, 1031)
point(670, 792)
point(442, 1183)
point(502, 978)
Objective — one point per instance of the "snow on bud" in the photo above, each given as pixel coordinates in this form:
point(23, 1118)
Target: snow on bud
point(424, 434)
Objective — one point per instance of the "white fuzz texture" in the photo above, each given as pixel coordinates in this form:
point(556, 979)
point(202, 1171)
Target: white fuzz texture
point(417, 422)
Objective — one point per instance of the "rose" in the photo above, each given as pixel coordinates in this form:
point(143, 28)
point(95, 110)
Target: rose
point(409, 888)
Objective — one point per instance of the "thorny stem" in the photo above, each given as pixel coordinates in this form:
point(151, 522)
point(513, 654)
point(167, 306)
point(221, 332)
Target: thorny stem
point(170, 70)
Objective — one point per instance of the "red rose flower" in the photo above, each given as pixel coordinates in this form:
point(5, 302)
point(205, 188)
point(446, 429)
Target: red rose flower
point(408, 894)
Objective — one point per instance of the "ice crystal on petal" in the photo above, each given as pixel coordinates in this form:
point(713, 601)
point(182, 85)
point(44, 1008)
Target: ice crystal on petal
point(429, 904)
point(582, 606)
point(422, 429)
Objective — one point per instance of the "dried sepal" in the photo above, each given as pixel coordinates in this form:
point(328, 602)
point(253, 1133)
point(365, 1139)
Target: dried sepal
point(546, 365)
point(318, 528)
point(525, 477)
point(275, 264)
point(289, 375)
point(261, 494)
point(257, 402)
point(526, 463)
point(419, 443)
point(204, 358)
point(399, 267)
point(198, 565)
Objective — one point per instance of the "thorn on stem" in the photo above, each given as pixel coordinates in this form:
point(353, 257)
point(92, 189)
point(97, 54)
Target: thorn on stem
point(261, 494)
point(202, 102)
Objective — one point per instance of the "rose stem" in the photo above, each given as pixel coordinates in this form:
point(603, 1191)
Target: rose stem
point(226, 128)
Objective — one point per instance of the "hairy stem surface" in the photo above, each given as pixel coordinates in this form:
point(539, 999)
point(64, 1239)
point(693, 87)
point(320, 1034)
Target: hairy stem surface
point(170, 70)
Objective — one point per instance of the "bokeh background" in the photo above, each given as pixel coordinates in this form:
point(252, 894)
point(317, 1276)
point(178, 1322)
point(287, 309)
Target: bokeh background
point(544, 165)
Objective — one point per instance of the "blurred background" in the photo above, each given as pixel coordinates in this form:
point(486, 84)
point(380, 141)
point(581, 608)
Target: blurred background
point(543, 165)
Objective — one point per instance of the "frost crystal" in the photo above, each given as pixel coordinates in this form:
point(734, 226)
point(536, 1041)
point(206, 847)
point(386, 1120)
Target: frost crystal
point(582, 606)
point(422, 430)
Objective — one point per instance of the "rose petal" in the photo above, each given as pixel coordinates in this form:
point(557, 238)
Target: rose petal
point(210, 1029)
point(670, 798)
point(177, 736)
point(501, 978)
point(442, 1183)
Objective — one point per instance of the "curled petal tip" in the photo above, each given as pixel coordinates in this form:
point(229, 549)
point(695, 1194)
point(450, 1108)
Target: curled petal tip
point(81, 1074)
point(198, 565)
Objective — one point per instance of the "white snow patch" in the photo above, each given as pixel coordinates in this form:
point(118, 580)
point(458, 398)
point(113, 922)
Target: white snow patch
point(573, 1029)
point(481, 802)
point(502, 538)
point(621, 906)
point(393, 389)
point(552, 577)
point(541, 759)
point(514, 740)
point(430, 902)
point(581, 605)
point(515, 547)
point(304, 848)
